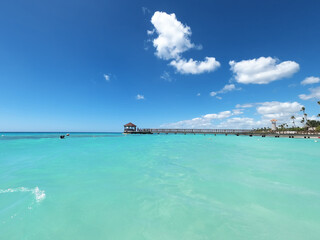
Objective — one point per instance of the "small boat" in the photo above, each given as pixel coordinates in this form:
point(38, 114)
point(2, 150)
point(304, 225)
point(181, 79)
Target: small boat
point(62, 137)
point(68, 134)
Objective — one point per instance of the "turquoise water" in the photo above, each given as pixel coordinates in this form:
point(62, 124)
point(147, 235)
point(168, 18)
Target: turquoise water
point(110, 186)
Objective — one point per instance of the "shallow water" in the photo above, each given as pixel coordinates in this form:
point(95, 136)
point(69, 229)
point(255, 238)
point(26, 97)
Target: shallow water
point(110, 186)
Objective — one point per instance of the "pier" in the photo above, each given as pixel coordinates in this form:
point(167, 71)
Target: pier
point(237, 132)
point(130, 128)
point(191, 131)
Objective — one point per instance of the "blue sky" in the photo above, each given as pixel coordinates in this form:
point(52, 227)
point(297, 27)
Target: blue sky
point(96, 65)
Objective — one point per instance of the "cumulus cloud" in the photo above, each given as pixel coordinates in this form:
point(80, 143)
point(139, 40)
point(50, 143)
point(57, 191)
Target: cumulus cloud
point(225, 89)
point(220, 115)
point(243, 123)
point(139, 97)
point(173, 39)
point(262, 70)
point(310, 80)
point(195, 67)
point(314, 93)
point(281, 111)
point(106, 77)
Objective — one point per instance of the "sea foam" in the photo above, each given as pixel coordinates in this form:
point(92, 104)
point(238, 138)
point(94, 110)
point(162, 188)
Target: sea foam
point(38, 194)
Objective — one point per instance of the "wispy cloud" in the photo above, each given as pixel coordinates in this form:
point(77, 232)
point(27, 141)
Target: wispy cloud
point(310, 80)
point(225, 89)
point(262, 70)
point(246, 105)
point(314, 93)
point(106, 77)
point(145, 10)
point(140, 97)
point(166, 76)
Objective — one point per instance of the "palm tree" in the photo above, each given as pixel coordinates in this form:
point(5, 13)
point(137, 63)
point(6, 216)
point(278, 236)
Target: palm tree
point(304, 119)
point(293, 118)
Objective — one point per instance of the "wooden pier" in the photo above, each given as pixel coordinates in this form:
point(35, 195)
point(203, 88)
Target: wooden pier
point(191, 131)
point(237, 132)
point(130, 128)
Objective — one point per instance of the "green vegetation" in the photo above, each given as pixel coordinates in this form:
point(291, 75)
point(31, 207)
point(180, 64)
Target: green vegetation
point(309, 125)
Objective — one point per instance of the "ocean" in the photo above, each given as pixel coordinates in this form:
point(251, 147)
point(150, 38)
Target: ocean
point(115, 186)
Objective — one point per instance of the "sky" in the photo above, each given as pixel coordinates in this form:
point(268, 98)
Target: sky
point(97, 65)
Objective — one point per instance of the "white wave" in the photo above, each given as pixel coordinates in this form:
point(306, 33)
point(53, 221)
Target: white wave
point(38, 194)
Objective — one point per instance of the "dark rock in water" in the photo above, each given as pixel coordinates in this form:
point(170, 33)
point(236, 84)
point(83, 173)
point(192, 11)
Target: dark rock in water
point(62, 137)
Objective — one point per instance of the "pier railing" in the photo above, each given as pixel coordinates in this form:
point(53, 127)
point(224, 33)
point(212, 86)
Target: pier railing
point(223, 131)
point(204, 131)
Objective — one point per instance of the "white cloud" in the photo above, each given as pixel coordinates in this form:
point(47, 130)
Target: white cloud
point(139, 97)
point(198, 94)
point(220, 115)
point(262, 70)
point(228, 88)
point(243, 123)
point(205, 121)
point(237, 111)
point(282, 111)
point(145, 10)
point(173, 36)
point(193, 123)
point(225, 89)
point(166, 76)
point(106, 77)
point(247, 105)
point(174, 39)
point(195, 67)
point(310, 80)
point(314, 93)
point(150, 32)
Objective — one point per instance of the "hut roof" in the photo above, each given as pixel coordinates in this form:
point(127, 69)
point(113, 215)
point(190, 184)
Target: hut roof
point(130, 125)
point(273, 120)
